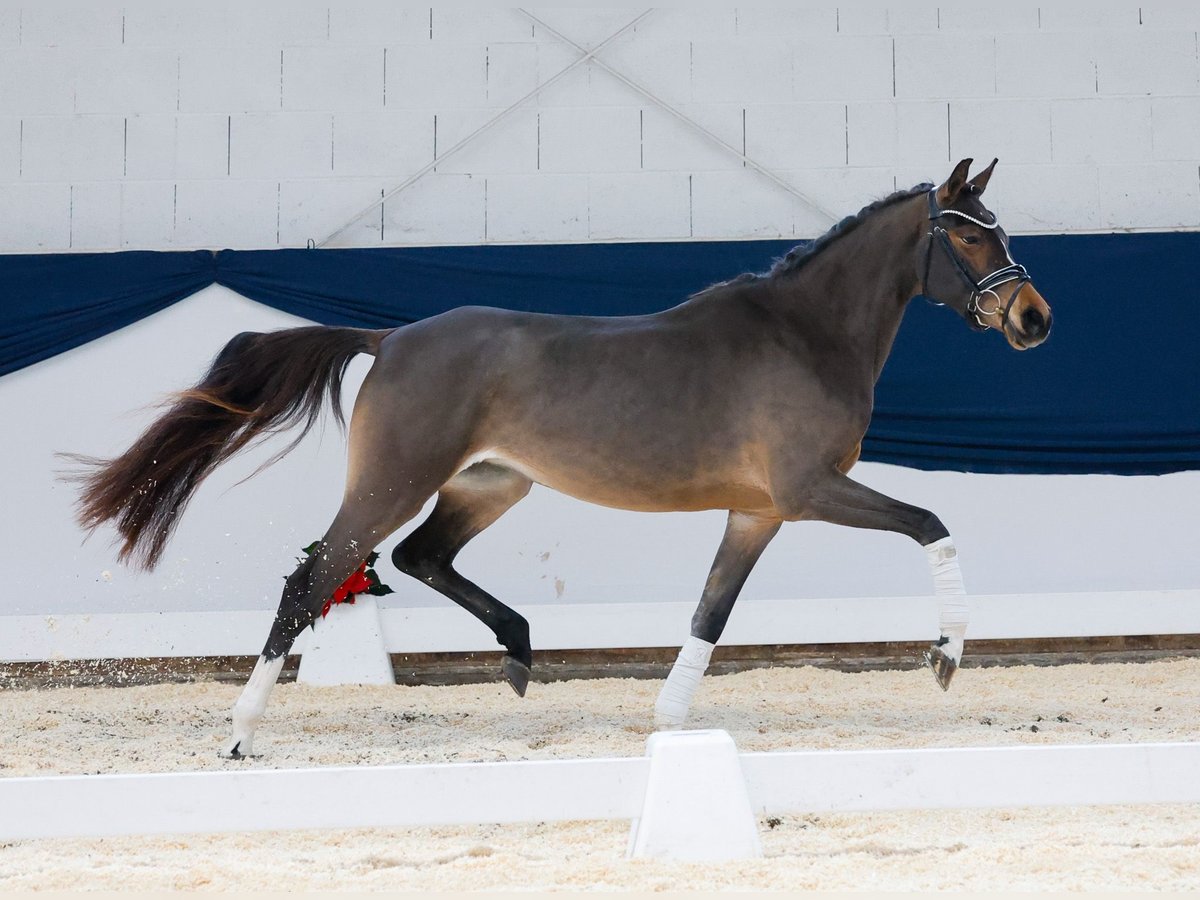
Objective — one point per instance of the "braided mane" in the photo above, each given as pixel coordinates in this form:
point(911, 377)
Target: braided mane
point(802, 254)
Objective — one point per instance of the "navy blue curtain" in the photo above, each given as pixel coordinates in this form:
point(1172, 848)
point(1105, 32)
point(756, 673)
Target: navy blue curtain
point(1115, 389)
point(52, 303)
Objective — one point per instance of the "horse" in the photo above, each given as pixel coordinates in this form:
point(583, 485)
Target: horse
point(751, 396)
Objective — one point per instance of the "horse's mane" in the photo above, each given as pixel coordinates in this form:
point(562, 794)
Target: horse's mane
point(802, 254)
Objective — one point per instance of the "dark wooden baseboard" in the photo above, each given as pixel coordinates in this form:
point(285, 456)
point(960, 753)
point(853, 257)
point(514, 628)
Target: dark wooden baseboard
point(635, 662)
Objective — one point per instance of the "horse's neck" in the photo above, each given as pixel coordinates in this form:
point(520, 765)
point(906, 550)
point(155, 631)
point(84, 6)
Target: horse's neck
point(859, 286)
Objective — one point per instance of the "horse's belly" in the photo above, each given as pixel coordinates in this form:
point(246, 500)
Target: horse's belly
point(619, 484)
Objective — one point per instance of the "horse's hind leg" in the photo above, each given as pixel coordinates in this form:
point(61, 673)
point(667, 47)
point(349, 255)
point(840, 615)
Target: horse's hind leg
point(355, 531)
point(467, 504)
point(746, 536)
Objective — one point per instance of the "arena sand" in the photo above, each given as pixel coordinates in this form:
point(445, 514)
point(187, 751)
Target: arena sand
point(181, 727)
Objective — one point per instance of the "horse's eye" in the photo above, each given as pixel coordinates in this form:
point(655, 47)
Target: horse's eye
point(969, 239)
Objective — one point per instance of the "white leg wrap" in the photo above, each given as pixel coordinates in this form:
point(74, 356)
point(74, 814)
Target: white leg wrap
point(676, 694)
point(251, 704)
point(948, 585)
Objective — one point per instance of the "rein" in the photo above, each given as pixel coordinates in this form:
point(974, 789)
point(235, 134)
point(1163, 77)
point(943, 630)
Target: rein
point(1014, 272)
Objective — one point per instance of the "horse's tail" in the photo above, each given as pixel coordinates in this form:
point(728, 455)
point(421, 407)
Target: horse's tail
point(258, 384)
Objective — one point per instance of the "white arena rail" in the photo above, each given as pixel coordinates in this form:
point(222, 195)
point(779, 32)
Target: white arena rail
point(691, 799)
point(409, 629)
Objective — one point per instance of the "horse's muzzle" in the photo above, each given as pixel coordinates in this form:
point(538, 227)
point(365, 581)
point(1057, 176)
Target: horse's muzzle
point(1030, 320)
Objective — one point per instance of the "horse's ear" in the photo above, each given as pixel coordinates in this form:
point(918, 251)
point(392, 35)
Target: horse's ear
point(948, 192)
point(978, 184)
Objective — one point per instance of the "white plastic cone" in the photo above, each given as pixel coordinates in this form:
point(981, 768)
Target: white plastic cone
point(347, 647)
point(697, 807)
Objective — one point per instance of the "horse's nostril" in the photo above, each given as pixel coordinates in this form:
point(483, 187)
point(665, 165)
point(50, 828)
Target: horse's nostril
point(1033, 323)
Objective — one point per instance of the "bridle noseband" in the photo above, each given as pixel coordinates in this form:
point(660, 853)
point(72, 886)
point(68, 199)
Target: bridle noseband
point(1014, 272)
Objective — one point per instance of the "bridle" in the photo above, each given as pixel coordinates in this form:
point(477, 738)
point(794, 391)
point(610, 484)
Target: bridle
point(1014, 272)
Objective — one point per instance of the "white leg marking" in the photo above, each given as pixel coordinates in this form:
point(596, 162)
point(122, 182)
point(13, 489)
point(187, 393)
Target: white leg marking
point(948, 585)
point(671, 709)
point(251, 705)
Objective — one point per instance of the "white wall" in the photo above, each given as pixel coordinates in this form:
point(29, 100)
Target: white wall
point(236, 542)
point(256, 124)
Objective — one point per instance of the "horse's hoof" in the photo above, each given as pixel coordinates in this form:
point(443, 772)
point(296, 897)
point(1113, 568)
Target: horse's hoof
point(517, 674)
point(942, 666)
point(235, 751)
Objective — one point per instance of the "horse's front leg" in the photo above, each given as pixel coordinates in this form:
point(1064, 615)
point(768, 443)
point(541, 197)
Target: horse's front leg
point(835, 498)
point(746, 536)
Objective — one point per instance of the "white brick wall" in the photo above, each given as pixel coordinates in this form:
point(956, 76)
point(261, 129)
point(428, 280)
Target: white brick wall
point(1102, 130)
point(669, 145)
point(897, 133)
point(35, 217)
point(590, 140)
point(783, 136)
point(440, 209)
point(392, 143)
point(510, 146)
point(934, 66)
point(244, 212)
point(281, 145)
point(148, 214)
point(10, 149)
point(643, 206)
point(1149, 196)
point(1016, 131)
point(307, 209)
point(1047, 198)
point(36, 82)
point(230, 79)
point(263, 124)
point(95, 215)
point(73, 148)
point(341, 79)
point(1176, 127)
point(122, 80)
point(742, 70)
point(166, 147)
point(842, 67)
point(528, 208)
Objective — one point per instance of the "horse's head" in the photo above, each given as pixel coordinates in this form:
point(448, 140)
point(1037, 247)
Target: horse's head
point(964, 263)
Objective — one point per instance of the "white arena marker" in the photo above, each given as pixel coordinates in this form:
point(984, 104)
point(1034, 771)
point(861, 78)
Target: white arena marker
point(347, 647)
point(972, 777)
point(328, 798)
point(696, 806)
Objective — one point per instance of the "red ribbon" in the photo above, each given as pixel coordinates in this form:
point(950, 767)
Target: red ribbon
point(358, 583)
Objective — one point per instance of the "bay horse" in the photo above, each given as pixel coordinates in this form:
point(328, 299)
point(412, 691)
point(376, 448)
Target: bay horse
point(752, 396)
